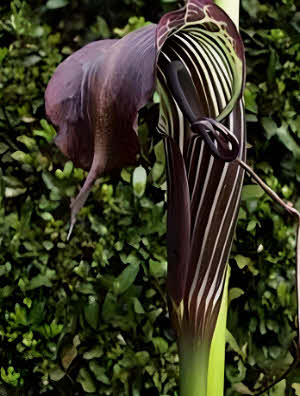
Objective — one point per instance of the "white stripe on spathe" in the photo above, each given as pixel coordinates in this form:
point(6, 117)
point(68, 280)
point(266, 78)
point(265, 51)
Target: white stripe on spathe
point(214, 67)
point(203, 68)
point(218, 52)
point(218, 66)
point(192, 45)
point(207, 231)
point(198, 166)
point(195, 71)
point(213, 293)
point(210, 66)
point(216, 266)
point(196, 275)
point(239, 174)
point(202, 37)
point(219, 189)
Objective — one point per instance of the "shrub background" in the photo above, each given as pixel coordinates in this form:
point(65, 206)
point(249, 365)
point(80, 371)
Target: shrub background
point(90, 316)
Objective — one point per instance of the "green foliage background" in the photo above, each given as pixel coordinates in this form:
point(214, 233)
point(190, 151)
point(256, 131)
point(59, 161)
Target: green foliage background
point(90, 316)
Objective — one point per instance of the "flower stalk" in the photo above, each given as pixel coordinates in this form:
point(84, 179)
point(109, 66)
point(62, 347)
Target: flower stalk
point(216, 368)
point(293, 212)
point(193, 358)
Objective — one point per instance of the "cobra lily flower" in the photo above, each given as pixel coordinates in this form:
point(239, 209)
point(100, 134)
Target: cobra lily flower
point(194, 57)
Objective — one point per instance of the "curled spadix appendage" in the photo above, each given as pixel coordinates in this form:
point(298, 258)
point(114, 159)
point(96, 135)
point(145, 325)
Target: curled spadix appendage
point(221, 142)
point(184, 91)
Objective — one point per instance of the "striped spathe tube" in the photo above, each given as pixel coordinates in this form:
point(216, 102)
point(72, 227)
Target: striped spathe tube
point(203, 190)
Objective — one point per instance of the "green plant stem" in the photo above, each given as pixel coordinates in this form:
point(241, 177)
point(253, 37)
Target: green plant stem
point(232, 8)
point(215, 384)
point(194, 358)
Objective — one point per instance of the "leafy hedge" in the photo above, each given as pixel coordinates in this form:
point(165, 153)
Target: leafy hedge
point(90, 316)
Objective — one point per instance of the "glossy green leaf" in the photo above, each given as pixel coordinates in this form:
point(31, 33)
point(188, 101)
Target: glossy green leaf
point(99, 372)
point(252, 191)
point(139, 180)
point(92, 313)
point(54, 4)
point(86, 381)
point(126, 278)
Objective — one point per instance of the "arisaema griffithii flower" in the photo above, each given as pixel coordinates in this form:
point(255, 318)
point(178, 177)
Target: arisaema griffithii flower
point(194, 58)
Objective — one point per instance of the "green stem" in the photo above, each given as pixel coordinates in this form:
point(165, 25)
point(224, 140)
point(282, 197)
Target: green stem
point(194, 358)
point(232, 8)
point(215, 385)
